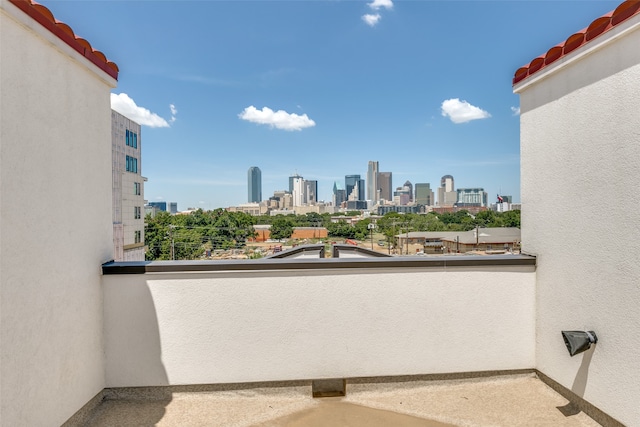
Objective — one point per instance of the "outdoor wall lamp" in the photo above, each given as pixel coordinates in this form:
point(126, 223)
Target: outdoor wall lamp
point(578, 341)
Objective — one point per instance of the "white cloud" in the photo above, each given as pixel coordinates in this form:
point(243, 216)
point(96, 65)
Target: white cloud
point(276, 119)
point(461, 111)
point(174, 111)
point(124, 105)
point(377, 4)
point(515, 111)
point(371, 20)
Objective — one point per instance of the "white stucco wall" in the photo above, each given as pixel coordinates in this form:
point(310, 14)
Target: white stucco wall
point(199, 328)
point(55, 223)
point(580, 136)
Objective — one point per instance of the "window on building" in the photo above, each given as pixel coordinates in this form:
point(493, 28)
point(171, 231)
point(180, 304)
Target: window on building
point(137, 188)
point(138, 236)
point(137, 212)
point(131, 139)
point(131, 164)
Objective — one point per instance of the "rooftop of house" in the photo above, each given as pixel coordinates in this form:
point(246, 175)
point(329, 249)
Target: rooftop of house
point(513, 400)
point(44, 17)
point(599, 26)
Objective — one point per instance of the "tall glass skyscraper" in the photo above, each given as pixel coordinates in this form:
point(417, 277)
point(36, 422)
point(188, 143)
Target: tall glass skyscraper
point(254, 183)
point(352, 181)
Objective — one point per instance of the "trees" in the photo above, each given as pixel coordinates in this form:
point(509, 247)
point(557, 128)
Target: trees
point(282, 227)
point(188, 236)
point(341, 229)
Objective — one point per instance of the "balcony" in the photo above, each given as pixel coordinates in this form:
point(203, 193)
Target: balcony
point(243, 342)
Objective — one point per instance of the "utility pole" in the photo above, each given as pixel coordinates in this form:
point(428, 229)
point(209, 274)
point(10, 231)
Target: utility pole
point(173, 247)
point(407, 238)
point(371, 226)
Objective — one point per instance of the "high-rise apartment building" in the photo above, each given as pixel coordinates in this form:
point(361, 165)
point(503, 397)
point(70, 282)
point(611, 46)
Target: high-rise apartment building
point(127, 189)
point(385, 187)
point(254, 184)
point(424, 194)
point(447, 195)
point(372, 181)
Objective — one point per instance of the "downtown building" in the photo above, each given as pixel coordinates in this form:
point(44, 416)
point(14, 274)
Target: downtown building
point(424, 194)
point(254, 185)
point(372, 181)
point(471, 197)
point(447, 195)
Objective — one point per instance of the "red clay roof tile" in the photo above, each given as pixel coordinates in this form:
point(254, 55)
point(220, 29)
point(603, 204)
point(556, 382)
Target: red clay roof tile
point(61, 30)
point(624, 11)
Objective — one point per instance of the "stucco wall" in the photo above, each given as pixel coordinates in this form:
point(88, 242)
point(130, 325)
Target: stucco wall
point(580, 136)
point(199, 328)
point(55, 223)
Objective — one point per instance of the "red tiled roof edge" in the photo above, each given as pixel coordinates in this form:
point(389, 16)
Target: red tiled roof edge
point(61, 30)
point(599, 26)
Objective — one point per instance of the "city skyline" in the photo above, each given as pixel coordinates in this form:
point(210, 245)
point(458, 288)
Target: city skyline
point(321, 88)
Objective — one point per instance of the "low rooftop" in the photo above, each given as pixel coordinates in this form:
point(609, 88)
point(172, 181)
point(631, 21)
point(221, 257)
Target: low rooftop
point(502, 400)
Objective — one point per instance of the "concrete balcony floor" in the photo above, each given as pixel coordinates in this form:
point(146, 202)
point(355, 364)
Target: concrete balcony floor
point(512, 400)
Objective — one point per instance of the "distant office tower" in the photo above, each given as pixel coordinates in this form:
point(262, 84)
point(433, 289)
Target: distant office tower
point(127, 189)
point(173, 208)
point(372, 181)
point(471, 197)
point(339, 194)
point(254, 184)
point(352, 181)
point(291, 178)
point(402, 195)
point(447, 182)
point(447, 196)
point(409, 185)
point(385, 186)
point(297, 183)
point(310, 192)
point(423, 194)
point(161, 206)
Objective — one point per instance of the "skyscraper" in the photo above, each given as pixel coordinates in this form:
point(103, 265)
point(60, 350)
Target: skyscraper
point(291, 178)
point(372, 181)
point(409, 185)
point(297, 184)
point(310, 192)
point(447, 195)
point(351, 182)
point(424, 195)
point(339, 194)
point(254, 181)
point(447, 182)
point(384, 186)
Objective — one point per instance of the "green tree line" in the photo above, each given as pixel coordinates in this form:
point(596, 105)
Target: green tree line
point(189, 236)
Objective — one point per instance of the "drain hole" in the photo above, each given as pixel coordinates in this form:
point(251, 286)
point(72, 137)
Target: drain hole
point(329, 388)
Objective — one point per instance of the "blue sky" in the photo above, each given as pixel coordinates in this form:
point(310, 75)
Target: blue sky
point(322, 87)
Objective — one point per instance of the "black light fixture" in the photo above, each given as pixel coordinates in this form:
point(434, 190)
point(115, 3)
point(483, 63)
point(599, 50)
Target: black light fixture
point(578, 341)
